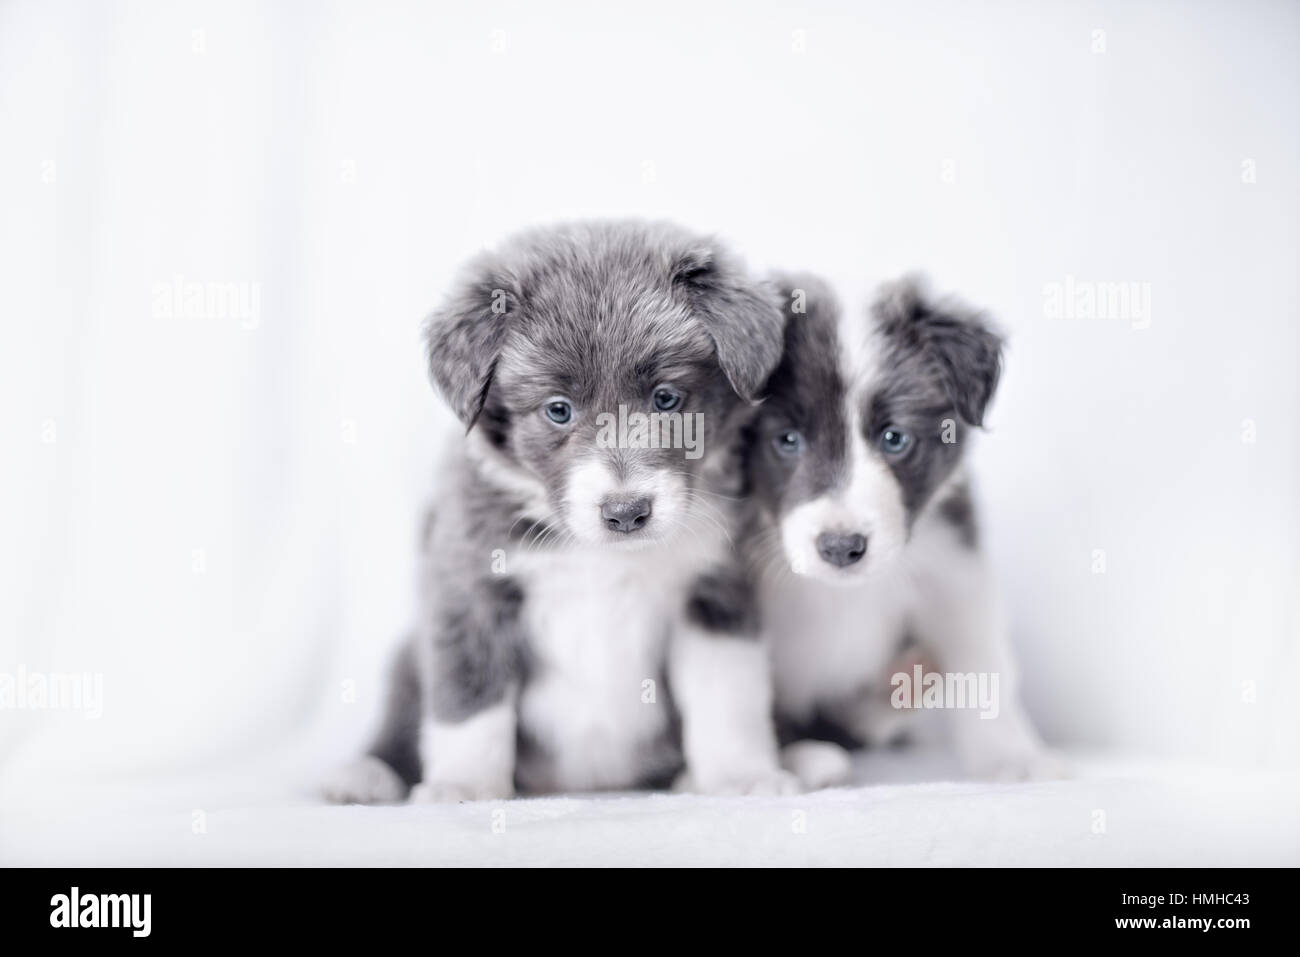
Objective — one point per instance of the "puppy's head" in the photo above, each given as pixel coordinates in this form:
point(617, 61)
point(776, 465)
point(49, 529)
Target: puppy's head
point(863, 422)
point(607, 367)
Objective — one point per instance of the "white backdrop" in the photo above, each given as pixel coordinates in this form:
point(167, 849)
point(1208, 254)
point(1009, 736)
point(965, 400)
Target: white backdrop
point(212, 504)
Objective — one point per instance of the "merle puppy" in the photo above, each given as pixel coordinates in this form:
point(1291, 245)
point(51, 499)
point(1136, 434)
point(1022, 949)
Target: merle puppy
point(584, 621)
point(868, 547)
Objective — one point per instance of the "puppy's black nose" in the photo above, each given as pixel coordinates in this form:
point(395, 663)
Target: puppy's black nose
point(626, 515)
point(840, 549)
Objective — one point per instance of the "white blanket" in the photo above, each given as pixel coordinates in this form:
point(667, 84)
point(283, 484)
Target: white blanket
point(1111, 813)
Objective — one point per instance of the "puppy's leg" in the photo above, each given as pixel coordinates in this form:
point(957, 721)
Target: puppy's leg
point(961, 622)
point(720, 679)
point(396, 744)
point(472, 759)
point(469, 666)
point(385, 773)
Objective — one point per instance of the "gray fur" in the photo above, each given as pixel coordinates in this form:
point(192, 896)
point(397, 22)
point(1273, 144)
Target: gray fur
point(464, 337)
point(806, 393)
point(737, 314)
point(941, 366)
point(607, 286)
point(599, 313)
point(395, 743)
point(938, 368)
point(723, 602)
point(958, 510)
point(943, 344)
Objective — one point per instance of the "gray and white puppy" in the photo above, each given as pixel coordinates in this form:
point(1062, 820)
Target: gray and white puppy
point(868, 547)
point(584, 621)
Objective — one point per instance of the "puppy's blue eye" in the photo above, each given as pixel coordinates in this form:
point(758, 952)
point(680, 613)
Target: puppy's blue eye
point(789, 442)
point(559, 411)
point(894, 441)
point(666, 398)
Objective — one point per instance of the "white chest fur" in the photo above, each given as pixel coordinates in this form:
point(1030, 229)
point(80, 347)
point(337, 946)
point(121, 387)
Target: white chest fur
point(598, 623)
point(828, 640)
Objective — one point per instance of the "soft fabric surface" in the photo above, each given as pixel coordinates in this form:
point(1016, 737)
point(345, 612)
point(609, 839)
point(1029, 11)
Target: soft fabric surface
point(907, 815)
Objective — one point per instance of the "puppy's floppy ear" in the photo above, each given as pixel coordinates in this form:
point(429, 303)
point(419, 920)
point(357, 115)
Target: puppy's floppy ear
point(960, 343)
point(463, 338)
point(742, 315)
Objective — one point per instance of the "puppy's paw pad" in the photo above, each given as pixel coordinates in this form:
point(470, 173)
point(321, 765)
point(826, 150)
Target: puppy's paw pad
point(366, 780)
point(452, 792)
point(817, 764)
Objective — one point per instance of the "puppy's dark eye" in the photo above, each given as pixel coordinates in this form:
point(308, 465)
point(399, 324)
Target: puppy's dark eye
point(666, 398)
point(894, 441)
point(559, 411)
point(789, 442)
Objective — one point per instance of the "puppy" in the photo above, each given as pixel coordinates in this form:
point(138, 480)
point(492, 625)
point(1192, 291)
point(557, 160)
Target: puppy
point(585, 623)
point(868, 549)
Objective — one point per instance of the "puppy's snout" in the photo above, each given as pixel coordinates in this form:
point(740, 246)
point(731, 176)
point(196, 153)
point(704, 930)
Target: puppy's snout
point(626, 515)
point(841, 549)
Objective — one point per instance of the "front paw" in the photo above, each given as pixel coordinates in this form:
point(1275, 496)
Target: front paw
point(367, 780)
point(761, 782)
point(1031, 764)
point(452, 792)
point(818, 764)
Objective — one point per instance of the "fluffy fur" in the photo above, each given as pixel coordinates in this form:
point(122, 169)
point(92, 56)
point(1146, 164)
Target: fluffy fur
point(556, 651)
point(867, 544)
